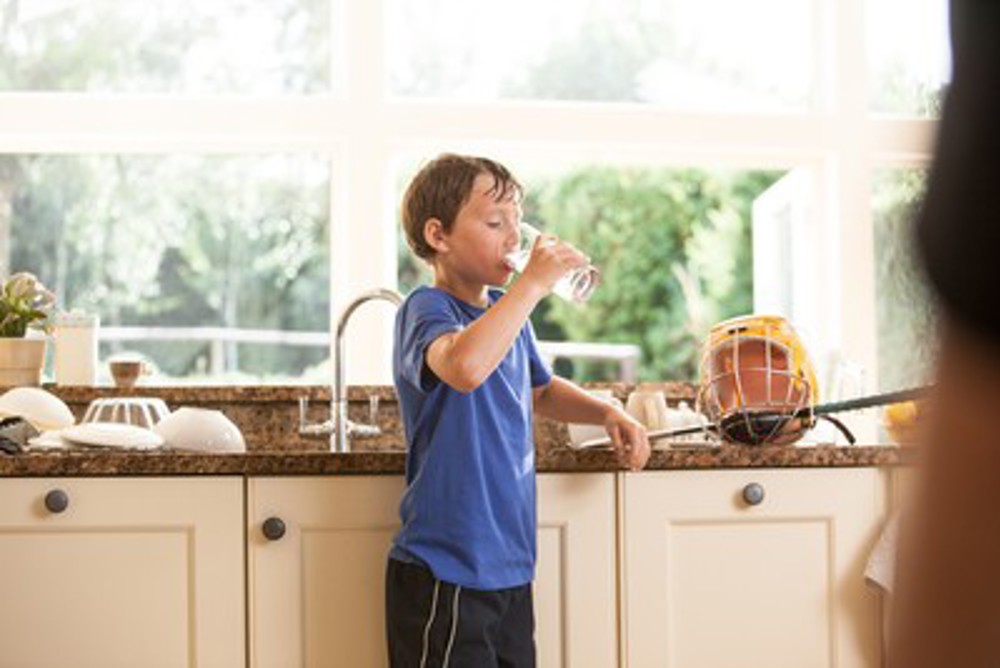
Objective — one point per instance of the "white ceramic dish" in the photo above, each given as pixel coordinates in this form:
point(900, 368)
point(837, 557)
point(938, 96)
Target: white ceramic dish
point(42, 409)
point(139, 411)
point(200, 429)
point(48, 440)
point(112, 435)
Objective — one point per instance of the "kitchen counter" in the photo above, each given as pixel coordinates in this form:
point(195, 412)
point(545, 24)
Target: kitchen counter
point(268, 418)
point(80, 462)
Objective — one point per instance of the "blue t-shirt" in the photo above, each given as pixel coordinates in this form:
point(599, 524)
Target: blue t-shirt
point(468, 513)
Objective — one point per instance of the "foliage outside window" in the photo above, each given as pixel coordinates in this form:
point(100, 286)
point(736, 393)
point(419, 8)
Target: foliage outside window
point(674, 250)
point(903, 299)
point(910, 63)
point(184, 46)
point(182, 242)
point(709, 55)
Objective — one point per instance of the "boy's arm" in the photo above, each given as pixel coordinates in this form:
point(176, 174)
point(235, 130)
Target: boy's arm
point(466, 358)
point(566, 402)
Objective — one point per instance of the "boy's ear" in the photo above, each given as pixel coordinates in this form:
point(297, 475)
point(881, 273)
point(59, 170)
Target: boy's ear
point(434, 235)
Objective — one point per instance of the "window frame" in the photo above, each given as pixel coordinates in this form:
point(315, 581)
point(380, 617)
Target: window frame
point(362, 128)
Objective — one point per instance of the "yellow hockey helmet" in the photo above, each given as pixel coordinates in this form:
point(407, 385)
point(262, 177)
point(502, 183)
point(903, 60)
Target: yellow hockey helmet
point(757, 383)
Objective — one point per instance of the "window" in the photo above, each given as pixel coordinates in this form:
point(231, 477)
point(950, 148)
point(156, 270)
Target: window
point(909, 60)
point(904, 306)
point(316, 111)
point(185, 46)
point(712, 55)
point(212, 266)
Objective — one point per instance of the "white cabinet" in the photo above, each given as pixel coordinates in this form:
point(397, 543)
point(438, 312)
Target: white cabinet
point(121, 572)
point(575, 593)
point(713, 581)
point(671, 568)
point(317, 593)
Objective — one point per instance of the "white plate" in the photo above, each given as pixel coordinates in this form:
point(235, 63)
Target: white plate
point(112, 435)
point(581, 433)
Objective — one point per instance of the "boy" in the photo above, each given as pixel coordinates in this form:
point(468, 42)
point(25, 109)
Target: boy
point(468, 375)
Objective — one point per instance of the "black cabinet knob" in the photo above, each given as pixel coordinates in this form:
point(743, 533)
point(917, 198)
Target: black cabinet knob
point(753, 493)
point(56, 501)
point(273, 528)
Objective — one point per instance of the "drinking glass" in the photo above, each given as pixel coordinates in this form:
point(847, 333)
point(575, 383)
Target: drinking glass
point(576, 285)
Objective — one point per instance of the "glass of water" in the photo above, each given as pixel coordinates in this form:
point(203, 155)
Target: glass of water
point(576, 286)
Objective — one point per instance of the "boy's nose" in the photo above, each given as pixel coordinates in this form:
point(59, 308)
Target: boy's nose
point(515, 235)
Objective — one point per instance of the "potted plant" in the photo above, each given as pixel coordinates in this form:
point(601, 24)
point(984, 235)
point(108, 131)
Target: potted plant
point(25, 304)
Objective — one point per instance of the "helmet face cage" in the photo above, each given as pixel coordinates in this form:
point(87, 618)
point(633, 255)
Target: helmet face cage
point(756, 381)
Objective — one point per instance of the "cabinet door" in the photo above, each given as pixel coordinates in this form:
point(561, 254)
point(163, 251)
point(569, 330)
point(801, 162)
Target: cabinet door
point(133, 572)
point(575, 589)
point(713, 581)
point(317, 593)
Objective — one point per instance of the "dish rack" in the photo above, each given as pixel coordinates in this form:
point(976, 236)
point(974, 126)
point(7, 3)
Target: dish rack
point(138, 411)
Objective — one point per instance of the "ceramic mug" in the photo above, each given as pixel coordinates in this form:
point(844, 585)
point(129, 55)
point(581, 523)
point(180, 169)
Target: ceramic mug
point(126, 373)
point(648, 407)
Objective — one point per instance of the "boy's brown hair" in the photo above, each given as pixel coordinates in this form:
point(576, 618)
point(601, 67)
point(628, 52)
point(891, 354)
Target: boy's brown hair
point(440, 189)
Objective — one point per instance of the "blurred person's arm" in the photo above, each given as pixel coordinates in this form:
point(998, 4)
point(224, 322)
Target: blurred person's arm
point(946, 607)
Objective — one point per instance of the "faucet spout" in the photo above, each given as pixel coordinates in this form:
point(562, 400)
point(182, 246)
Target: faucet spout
point(342, 427)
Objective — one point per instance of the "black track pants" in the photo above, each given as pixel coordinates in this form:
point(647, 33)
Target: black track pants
point(432, 623)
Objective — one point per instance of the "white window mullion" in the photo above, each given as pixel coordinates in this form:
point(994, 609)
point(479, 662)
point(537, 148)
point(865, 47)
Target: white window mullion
point(362, 235)
point(102, 123)
point(853, 185)
point(583, 124)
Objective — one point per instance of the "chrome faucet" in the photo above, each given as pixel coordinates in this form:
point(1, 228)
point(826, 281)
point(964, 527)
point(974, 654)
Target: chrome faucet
point(341, 428)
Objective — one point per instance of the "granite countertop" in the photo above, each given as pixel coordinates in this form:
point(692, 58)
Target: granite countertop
point(268, 418)
point(83, 462)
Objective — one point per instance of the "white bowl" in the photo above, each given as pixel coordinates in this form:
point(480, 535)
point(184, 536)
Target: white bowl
point(200, 429)
point(42, 409)
point(138, 411)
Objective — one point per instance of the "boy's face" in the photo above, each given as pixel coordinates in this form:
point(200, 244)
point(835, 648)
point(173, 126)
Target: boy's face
point(484, 231)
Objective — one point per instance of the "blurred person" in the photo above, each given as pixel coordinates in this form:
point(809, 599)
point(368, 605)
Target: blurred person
point(946, 608)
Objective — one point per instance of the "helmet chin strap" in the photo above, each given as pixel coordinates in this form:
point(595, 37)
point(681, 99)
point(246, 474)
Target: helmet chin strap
point(841, 426)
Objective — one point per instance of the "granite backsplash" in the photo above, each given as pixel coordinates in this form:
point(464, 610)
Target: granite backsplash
point(268, 416)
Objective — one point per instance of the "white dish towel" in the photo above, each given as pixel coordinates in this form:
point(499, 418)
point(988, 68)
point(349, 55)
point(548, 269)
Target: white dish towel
point(880, 571)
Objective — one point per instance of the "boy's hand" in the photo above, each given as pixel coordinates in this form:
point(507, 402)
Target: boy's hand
point(552, 259)
point(629, 438)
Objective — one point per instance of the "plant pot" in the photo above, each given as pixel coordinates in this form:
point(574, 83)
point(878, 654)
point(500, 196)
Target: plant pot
point(21, 361)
